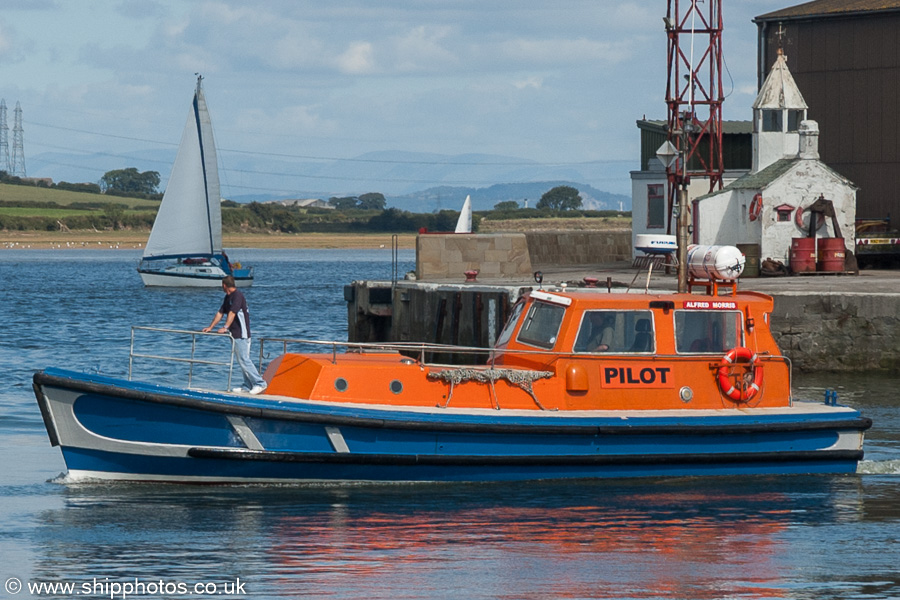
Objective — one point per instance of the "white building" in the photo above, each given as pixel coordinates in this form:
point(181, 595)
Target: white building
point(768, 206)
point(766, 194)
point(650, 188)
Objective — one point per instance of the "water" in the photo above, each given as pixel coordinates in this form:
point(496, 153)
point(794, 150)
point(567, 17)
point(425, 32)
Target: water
point(753, 537)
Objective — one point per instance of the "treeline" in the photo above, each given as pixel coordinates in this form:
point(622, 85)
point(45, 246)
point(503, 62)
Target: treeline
point(264, 217)
point(148, 192)
point(283, 219)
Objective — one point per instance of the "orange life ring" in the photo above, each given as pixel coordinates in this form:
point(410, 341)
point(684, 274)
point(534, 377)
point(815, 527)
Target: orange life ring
point(755, 207)
point(748, 383)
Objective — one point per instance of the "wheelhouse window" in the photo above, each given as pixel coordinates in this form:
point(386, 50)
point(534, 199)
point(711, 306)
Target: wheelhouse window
point(510, 326)
point(541, 326)
point(615, 331)
point(656, 206)
point(707, 331)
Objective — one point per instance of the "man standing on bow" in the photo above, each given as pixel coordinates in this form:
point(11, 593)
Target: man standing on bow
point(237, 322)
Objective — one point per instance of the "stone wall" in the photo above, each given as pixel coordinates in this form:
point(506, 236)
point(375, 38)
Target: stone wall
point(838, 331)
point(493, 255)
point(572, 248)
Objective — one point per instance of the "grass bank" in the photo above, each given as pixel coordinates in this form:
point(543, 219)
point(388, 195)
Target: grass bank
point(124, 239)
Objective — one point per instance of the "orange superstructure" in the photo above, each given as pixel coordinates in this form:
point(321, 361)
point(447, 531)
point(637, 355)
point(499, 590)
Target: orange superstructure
point(576, 350)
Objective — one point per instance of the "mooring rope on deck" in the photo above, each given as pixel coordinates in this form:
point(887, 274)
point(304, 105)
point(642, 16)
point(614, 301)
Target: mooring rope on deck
point(518, 377)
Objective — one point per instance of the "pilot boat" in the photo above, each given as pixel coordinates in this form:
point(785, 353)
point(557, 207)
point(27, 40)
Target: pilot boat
point(581, 383)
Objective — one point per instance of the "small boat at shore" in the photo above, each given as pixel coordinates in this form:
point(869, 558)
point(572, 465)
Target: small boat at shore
point(185, 244)
point(581, 383)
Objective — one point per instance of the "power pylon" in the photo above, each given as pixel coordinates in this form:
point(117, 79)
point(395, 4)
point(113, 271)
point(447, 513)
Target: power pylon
point(4, 139)
point(17, 166)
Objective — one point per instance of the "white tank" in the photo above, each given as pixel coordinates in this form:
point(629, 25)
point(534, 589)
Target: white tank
point(715, 262)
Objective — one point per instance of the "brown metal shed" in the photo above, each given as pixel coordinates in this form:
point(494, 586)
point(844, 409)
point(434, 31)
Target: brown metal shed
point(845, 57)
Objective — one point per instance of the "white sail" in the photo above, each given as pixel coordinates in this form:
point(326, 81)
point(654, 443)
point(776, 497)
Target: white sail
point(464, 224)
point(189, 221)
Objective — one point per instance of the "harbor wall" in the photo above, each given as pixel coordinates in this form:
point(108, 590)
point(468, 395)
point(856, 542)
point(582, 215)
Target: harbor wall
point(493, 255)
point(515, 255)
point(573, 248)
point(838, 331)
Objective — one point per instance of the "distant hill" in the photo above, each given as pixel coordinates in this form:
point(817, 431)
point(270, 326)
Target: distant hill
point(407, 179)
point(452, 198)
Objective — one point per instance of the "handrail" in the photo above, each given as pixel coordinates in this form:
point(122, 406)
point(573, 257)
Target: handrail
point(424, 348)
point(191, 361)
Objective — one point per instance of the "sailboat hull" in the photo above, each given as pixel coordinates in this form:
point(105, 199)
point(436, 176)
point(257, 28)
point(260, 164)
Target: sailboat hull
point(208, 277)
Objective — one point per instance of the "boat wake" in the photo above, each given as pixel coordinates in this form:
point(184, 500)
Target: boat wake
point(879, 467)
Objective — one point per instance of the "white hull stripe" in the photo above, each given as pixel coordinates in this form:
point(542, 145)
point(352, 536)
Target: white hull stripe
point(337, 439)
point(245, 433)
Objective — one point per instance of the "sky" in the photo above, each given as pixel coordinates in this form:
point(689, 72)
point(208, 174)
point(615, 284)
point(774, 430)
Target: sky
point(560, 83)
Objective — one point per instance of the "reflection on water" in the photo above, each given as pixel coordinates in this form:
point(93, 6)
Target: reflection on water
point(688, 538)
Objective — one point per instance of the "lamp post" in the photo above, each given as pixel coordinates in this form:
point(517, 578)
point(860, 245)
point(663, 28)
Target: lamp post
point(675, 159)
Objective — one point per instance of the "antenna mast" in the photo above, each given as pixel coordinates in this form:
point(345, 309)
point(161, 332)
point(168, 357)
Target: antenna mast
point(694, 90)
point(694, 98)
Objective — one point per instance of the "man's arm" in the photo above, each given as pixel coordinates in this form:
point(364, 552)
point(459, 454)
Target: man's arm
point(218, 318)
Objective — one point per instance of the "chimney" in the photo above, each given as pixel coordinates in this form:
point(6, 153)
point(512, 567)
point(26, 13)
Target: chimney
point(809, 140)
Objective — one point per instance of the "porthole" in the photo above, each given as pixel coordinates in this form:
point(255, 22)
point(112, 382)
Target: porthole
point(686, 394)
point(340, 384)
point(396, 386)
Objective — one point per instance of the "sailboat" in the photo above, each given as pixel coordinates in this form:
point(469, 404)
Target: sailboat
point(464, 223)
point(185, 244)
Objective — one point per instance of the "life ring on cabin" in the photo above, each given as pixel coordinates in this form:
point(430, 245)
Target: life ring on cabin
point(748, 382)
point(798, 220)
point(755, 209)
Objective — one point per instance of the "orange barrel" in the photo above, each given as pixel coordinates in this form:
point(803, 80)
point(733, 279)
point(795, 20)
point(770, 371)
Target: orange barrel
point(831, 255)
point(803, 255)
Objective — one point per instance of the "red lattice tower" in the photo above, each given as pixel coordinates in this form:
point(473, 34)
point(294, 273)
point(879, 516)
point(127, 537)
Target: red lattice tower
point(694, 92)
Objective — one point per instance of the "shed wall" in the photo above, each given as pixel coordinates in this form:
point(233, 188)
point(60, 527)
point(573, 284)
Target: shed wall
point(848, 69)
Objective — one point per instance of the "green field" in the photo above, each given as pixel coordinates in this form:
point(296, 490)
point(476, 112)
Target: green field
point(55, 213)
point(21, 194)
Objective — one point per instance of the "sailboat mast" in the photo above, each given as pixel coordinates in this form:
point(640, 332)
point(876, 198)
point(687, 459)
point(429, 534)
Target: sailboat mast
point(197, 120)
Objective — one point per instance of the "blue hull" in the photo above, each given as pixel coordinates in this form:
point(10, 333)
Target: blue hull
point(117, 429)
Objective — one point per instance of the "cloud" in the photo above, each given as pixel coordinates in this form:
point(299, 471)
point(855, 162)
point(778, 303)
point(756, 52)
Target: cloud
point(7, 42)
point(563, 51)
point(357, 59)
point(423, 49)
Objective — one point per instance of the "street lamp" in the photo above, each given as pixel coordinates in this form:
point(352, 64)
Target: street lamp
point(669, 156)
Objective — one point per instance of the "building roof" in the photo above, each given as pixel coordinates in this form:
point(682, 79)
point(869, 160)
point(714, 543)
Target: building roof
point(762, 179)
point(728, 127)
point(830, 8)
point(779, 90)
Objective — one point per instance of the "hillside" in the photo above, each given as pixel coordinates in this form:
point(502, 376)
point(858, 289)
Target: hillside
point(452, 198)
point(25, 194)
point(410, 177)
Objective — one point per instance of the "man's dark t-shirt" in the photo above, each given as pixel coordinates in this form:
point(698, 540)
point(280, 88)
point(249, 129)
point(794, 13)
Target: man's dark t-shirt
point(236, 303)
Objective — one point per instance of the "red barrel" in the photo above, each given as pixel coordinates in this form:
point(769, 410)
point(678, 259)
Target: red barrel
point(803, 255)
point(831, 254)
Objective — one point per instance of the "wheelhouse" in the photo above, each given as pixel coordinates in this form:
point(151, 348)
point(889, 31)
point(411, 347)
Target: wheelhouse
point(630, 350)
